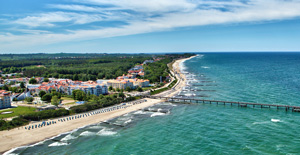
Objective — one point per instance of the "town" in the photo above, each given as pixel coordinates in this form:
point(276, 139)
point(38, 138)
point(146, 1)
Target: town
point(22, 97)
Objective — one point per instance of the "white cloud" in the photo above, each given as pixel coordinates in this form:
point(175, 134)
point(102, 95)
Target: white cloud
point(76, 7)
point(170, 14)
point(156, 6)
point(49, 19)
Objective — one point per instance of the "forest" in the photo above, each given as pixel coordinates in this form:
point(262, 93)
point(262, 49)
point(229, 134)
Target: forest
point(84, 67)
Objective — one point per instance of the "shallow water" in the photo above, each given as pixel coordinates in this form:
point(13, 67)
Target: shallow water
point(271, 78)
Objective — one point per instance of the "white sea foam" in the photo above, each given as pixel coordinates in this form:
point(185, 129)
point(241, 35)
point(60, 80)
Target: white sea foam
point(205, 67)
point(275, 120)
point(128, 121)
point(189, 94)
point(87, 133)
point(58, 144)
point(157, 114)
point(106, 132)
point(68, 137)
point(95, 127)
point(265, 122)
point(139, 112)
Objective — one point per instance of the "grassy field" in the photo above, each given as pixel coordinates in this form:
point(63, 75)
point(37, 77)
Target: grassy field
point(17, 111)
point(67, 99)
point(70, 103)
point(147, 88)
point(158, 91)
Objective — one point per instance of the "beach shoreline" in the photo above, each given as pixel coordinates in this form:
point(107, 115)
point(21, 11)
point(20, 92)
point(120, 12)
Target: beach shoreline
point(19, 137)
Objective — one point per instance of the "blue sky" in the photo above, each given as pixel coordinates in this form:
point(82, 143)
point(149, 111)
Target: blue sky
point(122, 26)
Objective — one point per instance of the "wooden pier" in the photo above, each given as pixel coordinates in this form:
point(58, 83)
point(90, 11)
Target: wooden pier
point(195, 95)
point(240, 104)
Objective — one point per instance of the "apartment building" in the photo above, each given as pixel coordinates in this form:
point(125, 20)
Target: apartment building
point(5, 99)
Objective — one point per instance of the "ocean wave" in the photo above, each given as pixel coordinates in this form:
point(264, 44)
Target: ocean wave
point(199, 56)
point(275, 120)
point(264, 122)
point(106, 132)
point(205, 67)
point(95, 127)
point(167, 103)
point(68, 137)
point(157, 114)
point(140, 112)
point(189, 94)
point(87, 133)
point(128, 121)
point(58, 144)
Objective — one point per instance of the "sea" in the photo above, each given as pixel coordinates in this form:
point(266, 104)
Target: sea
point(203, 129)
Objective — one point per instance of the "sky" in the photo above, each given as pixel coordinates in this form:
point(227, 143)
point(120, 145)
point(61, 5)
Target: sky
point(148, 26)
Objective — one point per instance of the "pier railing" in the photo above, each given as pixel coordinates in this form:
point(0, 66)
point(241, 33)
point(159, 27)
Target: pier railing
point(240, 104)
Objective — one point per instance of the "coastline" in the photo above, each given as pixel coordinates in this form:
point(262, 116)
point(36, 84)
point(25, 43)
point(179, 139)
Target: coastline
point(20, 137)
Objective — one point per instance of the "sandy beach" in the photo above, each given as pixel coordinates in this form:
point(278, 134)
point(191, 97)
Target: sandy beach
point(19, 136)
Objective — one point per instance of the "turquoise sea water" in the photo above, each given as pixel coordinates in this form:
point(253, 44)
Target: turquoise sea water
point(202, 128)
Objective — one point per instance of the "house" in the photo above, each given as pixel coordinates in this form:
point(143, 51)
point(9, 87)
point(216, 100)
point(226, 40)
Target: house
point(147, 61)
point(21, 96)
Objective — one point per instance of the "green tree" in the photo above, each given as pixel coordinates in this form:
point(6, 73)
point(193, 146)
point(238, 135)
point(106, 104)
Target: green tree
point(29, 99)
point(42, 93)
point(55, 101)
point(47, 97)
point(5, 87)
point(118, 90)
point(32, 81)
point(139, 89)
point(122, 95)
point(55, 93)
point(80, 96)
point(128, 89)
point(110, 88)
point(75, 77)
point(22, 85)
point(46, 80)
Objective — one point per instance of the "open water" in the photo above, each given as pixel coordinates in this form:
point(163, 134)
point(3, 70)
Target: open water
point(195, 129)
